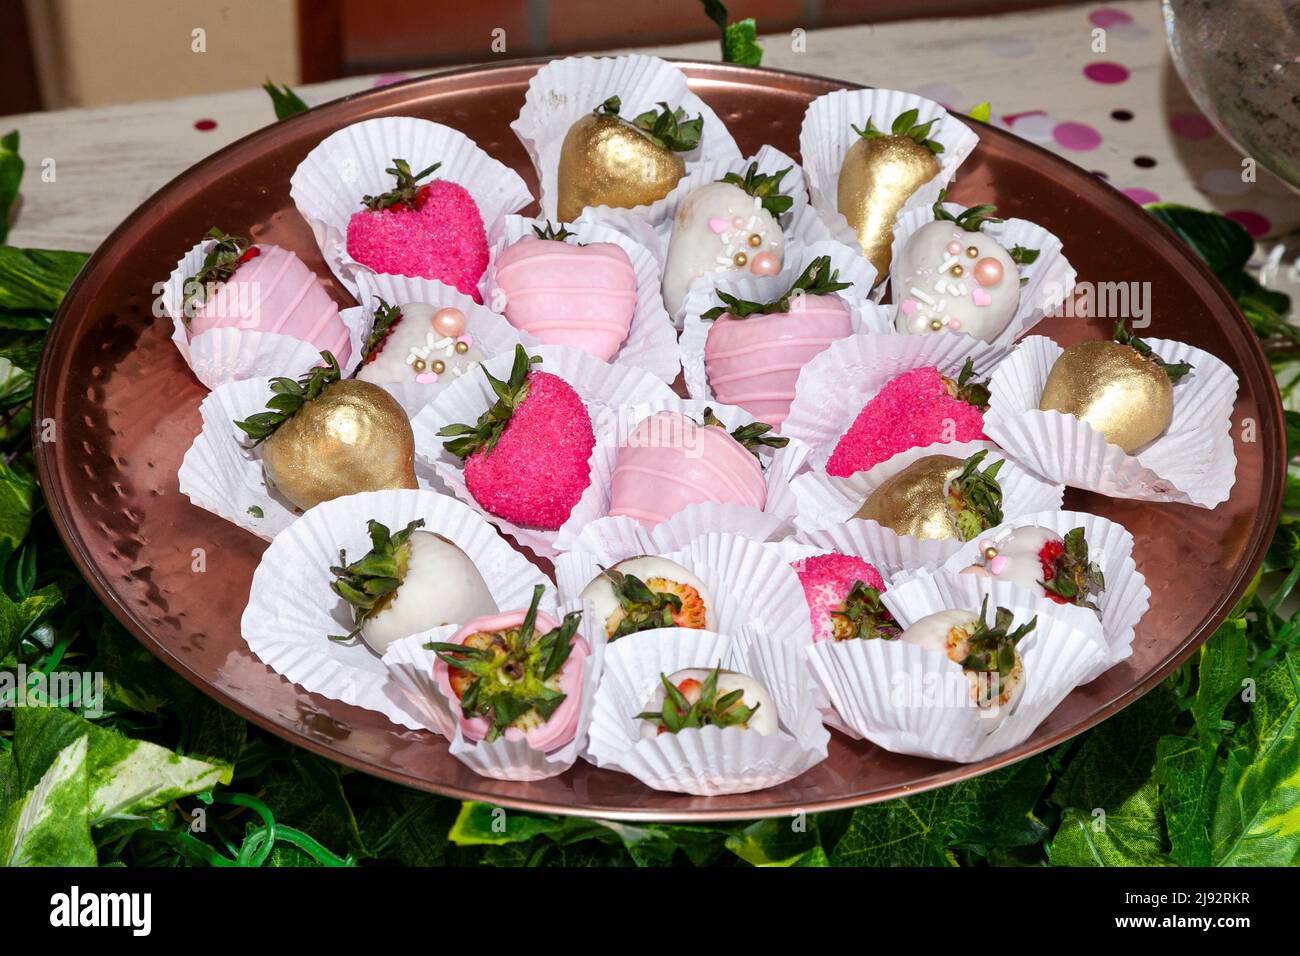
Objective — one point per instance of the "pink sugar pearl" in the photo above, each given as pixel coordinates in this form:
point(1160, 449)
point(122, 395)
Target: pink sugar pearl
point(913, 410)
point(827, 580)
point(444, 239)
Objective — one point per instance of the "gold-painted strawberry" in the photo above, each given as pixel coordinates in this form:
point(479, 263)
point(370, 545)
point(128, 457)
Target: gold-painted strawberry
point(938, 497)
point(606, 160)
point(879, 174)
point(1120, 387)
point(323, 438)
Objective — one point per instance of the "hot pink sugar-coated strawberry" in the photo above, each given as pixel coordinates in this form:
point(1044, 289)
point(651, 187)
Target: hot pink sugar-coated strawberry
point(561, 294)
point(827, 580)
point(433, 231)
point(670, 461)
point(526, 459)
point(754, 362)
point(918, 408)
point(265, 289)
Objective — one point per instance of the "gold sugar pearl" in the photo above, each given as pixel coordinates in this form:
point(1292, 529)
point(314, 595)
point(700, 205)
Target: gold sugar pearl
point(439, 367)
point(972, 252)
point(935, 325)
point(990, 553)
point(755, 240)
point(957, 270)
point(462, 347)
point(740, 259)
point(418, 365)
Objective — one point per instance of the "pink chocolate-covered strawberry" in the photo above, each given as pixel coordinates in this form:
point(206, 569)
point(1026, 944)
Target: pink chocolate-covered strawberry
point(526, 458)
point(582, 296)
point(755, 351)
point(843, 595)
point(262, 288)
point(434, 231)
point(671, 461)
point(918, 408)
point(517, 675)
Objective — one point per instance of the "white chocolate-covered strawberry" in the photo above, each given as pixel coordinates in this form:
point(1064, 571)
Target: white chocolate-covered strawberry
point(985, 650)
point(1043, 562)
point(407, 583)
point(950, 277)
point(418, 343)
point(697, 697)
point(648, 592)
point(728, 225)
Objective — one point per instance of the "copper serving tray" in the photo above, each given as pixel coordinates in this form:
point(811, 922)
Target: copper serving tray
point(126, 409)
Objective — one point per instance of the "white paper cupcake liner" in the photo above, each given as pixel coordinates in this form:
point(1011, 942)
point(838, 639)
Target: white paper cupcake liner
point(706, 761)
point(229, 354)
point(221, 474)
point(412, 668)
point(750, 583)
point(1124, 601)
point(865, 315)
point(827, 506)
point(1051, 277)
point(650, 342)
point(827, 134)
point(590, 515)
point(835, 386)
point(1193, 462)
point(292, 612)
point(328, 185)
point(911, 700)
point(628, 537)
point(492, 334)
point(600, 386)
point(563, 91)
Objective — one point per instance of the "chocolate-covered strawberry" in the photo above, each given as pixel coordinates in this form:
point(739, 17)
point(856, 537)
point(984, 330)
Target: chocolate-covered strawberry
point(606, 160)
point(938, 497)
point(696, 698)
point(648, 592)
point(985, 650)
point(1041, 561)
point(843, 597)
point(322, 437)
point(517, 674)
point(526, 458)
point(1121, 388)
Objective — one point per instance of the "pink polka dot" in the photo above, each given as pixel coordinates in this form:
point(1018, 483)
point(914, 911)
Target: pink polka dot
point(1078, 136)
point(1140, 196)
point(1191, 126)
point(1256, 224)
point(1108, 73)
point(204, 125)
point(1108, 17)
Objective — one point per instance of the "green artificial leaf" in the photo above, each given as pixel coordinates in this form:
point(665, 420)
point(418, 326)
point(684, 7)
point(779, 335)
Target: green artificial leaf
point(11, 175)
point(1222, 243)
point(780, 841)
point(17, 503)
point(405, 826)
point(740, 43)
point(36, 279)
point(1129, 835)
point(285, 101)
point(981, 111)
point(215, 732)
point(307, 792)
point(1185, 769)
point(48, 822)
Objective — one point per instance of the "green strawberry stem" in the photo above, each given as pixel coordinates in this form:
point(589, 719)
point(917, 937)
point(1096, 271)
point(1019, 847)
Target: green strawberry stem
point(386, 319)
point(969, 389)
point(975, 497)
point(751, 437)
point(550, 232)
point(1076, 579)
point(1022, 256)
point(508, 679)
point(1175, 370)
point(992, 647)
point(764, 187)
point(670, 129)
point(288, 396)
point(968, 219)
point(863, 616)
point(371, 582)
point(404, 193)
point(709, 710)
point(818, 279)
point(643, 609)
point(905, 126)
point(225, 256)
point(486, 432)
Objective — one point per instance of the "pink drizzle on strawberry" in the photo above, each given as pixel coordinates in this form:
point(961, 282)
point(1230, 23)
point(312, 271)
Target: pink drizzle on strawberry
point(443, 238)
point(912, 410)
point(827, 580)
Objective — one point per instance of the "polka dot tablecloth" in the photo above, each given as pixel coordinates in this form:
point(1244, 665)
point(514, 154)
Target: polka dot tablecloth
point(1093, 83)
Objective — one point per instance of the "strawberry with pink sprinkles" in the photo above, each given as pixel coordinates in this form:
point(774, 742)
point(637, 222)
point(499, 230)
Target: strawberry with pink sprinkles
point(432, 231)
point(918, 408)
point(843, 595)
point(526, 458)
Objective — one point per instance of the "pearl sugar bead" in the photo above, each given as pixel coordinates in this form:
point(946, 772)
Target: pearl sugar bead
point(449, 322)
